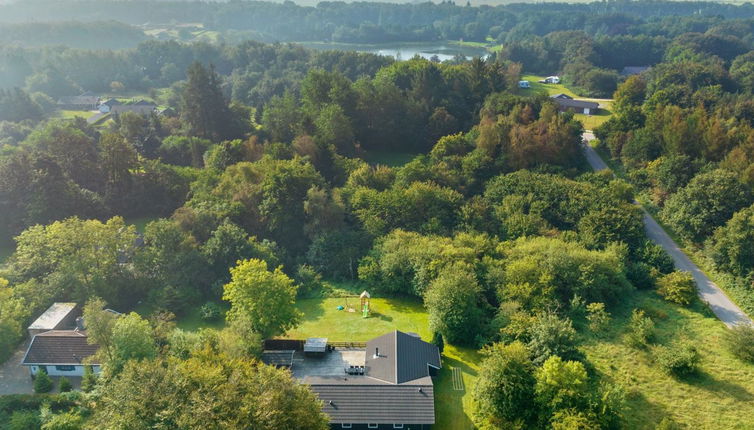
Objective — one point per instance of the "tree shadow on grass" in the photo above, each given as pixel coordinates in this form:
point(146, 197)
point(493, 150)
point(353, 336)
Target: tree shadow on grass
point(313, 309)
point(449, 400)
point(706, 381)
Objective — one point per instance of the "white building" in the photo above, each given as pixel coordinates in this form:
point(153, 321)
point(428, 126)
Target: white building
point(60, 353)
point(524, 84)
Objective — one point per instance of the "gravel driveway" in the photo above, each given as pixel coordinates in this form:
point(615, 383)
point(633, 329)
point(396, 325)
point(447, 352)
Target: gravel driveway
point(14, 378)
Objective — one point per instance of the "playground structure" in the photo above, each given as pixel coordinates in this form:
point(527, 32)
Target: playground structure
point(365, 307)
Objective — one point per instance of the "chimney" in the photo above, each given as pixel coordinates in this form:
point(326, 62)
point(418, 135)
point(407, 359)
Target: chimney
point(376, 353)
point(80, 324)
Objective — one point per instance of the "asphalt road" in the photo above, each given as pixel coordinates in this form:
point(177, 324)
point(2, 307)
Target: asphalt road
point(727, 311)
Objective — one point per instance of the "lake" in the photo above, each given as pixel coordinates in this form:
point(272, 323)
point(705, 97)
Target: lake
point(405, 51)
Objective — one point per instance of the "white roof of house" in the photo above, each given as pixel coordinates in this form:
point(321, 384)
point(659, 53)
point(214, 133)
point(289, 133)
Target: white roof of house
point(52, 316)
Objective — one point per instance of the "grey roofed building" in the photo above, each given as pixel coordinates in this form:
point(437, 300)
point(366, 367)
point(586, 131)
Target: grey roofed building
point(84, 101)
point(398, 358)
point(562, 96)
point(57, 317)
point(580, 106)
point(396, 388)
point(59, 353)
point(378, 403)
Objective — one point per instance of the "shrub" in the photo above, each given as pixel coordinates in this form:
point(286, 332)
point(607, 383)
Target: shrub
point(740, 341)
point(64, 385)
point(309, 281)
point(210, 311)
point(641, 329)
point(24, 420)
point(677, 287)
point(66, 421)
point(89, 380)
point(42, 382)
point(679, 359)
point(550, 335)
point(438, 341)
point(597, 316)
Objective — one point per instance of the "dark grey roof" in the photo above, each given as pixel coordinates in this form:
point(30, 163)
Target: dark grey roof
point(278, 358)
point(142, 109)
point(562, 96)
point(378, 403)
point(402, 357)
point(581, 104)
point(113, 102)
point(59, 347)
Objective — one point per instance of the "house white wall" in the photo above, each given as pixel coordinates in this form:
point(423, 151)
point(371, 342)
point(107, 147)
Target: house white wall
point(63, 370)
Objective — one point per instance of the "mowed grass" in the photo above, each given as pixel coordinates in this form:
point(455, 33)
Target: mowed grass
point(323, 319)
point(71, 114)
point(589, 121)
point(720, 396)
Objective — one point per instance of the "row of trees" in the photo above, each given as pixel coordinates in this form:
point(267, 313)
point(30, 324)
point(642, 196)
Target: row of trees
point(380, 23)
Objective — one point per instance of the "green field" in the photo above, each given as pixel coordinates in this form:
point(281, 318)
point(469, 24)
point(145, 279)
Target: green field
point(720, 396)
point(70, 114)
point(589, 121)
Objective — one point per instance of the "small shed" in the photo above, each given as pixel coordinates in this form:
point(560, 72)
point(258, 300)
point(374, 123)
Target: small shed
point(315, 346)
point(524, 84)
point(59, 316)
point(283, 358)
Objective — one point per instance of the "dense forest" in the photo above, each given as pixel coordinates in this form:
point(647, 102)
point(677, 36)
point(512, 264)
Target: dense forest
point(266, 183)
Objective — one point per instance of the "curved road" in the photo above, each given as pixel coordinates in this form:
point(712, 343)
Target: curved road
point(727, 311)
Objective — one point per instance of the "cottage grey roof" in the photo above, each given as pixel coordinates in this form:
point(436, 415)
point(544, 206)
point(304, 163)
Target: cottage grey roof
point(113, 102)
point(562, 96)
point(59, 347)
point(398, 357)
point(315, 344)
point(278, 358)
point(580, 104)
point(139, 108)
point(378, 403)
point(50, 319)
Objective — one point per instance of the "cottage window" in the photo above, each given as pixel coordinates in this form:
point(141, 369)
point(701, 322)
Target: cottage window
point(397, 426)
point(346, 426)
point(372, 426)
point(65, 368)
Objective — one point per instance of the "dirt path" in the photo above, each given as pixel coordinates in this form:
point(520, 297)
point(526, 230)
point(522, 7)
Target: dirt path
point(723, 307)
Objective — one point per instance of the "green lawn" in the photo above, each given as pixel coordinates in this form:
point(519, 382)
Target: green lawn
point(589, 121)
point(71, 114)
point(323, 319)
point(719, 397)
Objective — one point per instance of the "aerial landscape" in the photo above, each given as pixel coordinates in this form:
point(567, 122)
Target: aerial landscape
point(376, 215)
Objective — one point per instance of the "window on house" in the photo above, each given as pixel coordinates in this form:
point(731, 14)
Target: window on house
point(346, 426)
point(397, 426)
point(65, 368)
point(372, 426)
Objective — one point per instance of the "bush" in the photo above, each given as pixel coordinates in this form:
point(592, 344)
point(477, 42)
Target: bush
point(677, 287)
point(438, 341)
point(641, 329)
point(597, 316)
point(89, 380)
point(64, 385)
point(66, 421)
point(740, 341)
point(210, 311)
point(309, 281)
point(42, 382)
point(679, 359)
point(24, 420)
